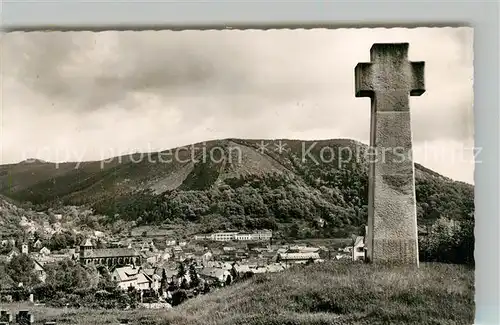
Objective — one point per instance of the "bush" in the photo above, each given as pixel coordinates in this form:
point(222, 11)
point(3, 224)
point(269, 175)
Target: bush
point(449, 241)
point(179, 297)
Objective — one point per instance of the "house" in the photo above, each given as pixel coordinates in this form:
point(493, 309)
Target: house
point(144, 282)
point(216, 251)
point(240, 254)
point(260, 269)
point(263, 235)
point(339, 257)
point(38, 244)
point(302, 249)
point(281, 250)
point(151, 257)
point(242, 269)
point(40, 271)
point(72, 253)
point(201, 237)
point(31, 235)
point(177, 249)
point(155, 278)
point(358, 251)
point(272, 268)
point(308, 249)
point(114, 244)
point(129, 276)
point(166, 255)
point(255, 262)
point(241, 251)
point(213, 273)
point(45, 251)
point(204, 257)
point(226, 265)
point(347, 249)
point(298, 257)
point(170, 242)
point(12, 253)
point(145, 247)
point(152, 247)
point(125, 277)
point(99, 234)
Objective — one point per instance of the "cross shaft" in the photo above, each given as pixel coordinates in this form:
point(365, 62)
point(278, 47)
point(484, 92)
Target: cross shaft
point(389, 79)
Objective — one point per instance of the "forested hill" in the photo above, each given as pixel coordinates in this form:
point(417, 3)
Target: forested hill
point(301, 188)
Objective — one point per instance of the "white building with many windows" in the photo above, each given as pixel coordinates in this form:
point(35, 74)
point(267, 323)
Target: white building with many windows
point(223, 236)
point(244, 237)
point(229, 236)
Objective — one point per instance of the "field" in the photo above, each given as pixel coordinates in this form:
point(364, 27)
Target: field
point(329, 293)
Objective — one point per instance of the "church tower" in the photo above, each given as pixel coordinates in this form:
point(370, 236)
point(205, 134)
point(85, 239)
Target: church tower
point(24, 248)
point(86, 248)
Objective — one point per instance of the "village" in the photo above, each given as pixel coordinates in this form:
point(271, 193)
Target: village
point(144, 264)
point(240, 177)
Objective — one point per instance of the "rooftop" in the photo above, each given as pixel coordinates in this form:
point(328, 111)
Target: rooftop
point(113, 252)
point(299, 256)
point(87, 243)
point(359, 240)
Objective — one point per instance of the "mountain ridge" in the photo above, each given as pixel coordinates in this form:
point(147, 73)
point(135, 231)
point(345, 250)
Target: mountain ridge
point(246, 183)
point(35, 160)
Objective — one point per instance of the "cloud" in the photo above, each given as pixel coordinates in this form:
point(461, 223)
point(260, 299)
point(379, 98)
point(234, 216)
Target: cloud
point(122, 89)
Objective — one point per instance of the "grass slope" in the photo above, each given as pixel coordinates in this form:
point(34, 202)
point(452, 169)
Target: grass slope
point(331, 293)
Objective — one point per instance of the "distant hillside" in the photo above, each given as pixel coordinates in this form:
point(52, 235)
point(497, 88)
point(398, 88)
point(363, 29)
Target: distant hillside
point(286, 185)
point(16, 221)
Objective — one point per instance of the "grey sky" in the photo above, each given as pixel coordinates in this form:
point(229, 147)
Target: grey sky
point(68, 96)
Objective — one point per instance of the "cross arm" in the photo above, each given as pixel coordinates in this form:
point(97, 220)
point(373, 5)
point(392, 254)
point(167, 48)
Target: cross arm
point(363, 79)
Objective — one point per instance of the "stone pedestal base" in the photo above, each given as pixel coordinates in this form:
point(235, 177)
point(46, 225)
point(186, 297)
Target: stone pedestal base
point(395, 251)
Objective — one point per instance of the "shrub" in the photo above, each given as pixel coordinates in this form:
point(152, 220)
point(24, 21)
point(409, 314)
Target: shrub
point(449, 241)
point(179, 297)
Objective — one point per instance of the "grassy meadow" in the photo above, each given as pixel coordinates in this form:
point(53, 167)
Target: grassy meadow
point(329, 293)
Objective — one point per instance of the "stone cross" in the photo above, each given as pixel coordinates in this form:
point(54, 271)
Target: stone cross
point(389, 79)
